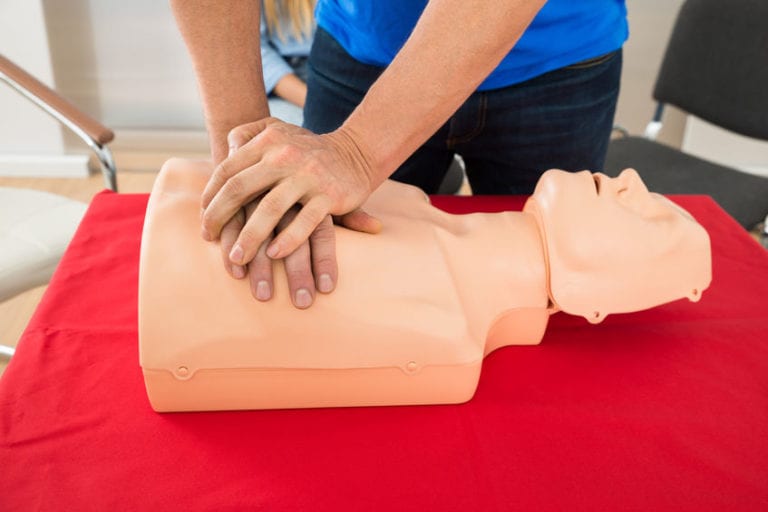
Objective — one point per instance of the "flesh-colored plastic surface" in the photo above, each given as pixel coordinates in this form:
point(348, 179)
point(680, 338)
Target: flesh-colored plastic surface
point(415, 310)
point(613, 247)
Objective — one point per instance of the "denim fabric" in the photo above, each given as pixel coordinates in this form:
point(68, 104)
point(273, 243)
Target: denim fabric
point(507, 137)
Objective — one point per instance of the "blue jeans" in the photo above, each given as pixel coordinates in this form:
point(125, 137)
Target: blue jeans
point(507, 137)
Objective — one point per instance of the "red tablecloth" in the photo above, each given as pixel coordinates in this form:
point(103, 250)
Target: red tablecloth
point(661, 410)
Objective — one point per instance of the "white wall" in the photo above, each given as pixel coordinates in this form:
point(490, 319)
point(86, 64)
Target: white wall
point(710, 142)
point(125, 63)
point(650, 26)
point(31, 142)
point(23, 39)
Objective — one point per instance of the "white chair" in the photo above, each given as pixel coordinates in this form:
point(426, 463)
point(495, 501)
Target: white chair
point(35, 226)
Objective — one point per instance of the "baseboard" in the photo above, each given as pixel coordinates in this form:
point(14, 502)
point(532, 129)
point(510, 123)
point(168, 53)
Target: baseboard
point(44, 166)
point(145, 150)
point(160, 140)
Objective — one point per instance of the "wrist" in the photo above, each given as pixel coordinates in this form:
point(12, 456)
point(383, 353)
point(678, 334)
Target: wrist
point(359, 158)
point(218, 132)
point(217, 140)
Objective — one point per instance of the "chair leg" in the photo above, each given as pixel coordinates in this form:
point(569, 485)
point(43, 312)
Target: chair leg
point(108, 168)
point(7, 351)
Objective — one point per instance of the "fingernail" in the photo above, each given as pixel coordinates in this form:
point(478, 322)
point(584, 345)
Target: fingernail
point(238, 271)
point(303, 298)
point(236, 255)
point(232, 149)
point(325, 283)
point(262, 290)
point(273, 250)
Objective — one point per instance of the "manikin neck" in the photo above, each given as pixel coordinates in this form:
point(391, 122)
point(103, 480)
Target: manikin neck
point(502, 270)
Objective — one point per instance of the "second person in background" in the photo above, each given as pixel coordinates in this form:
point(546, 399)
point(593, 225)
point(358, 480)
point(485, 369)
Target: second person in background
point(287, 28)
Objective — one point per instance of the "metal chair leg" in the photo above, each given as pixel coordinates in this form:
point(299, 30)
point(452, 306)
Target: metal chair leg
point(108, 168)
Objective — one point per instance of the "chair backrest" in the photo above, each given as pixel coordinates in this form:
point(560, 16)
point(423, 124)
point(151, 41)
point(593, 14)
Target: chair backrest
point(716, 64)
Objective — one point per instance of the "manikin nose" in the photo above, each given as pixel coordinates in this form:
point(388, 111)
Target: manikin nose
point(627, 181)
point(607, 185)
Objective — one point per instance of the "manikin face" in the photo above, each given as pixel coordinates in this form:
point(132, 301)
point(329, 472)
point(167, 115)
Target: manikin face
point(612, 246)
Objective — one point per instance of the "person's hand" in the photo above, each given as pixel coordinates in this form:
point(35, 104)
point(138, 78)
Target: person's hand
point(312, 267)
point(291, 88)
point(309, 269)
point(285, 165)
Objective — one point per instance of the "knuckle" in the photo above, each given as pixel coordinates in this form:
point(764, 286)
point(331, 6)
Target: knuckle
point(323, 261)
point(222, 172)
point(324, 231)
point(271, 206)
point(286, 154)
point(238, 136)
point(312, 217)
point(235, 186)
point(261, 266)
point(299, 274)
point(270, 134)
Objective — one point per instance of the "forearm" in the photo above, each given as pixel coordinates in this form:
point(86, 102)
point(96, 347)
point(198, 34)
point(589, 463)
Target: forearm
point(223, 42)
point(453, 48)
point(291, 88)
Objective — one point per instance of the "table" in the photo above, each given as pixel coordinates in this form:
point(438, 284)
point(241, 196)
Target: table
point(665, 409)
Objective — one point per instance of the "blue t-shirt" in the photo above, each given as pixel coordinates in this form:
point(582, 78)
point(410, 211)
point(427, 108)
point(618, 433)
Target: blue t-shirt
point(564, 32)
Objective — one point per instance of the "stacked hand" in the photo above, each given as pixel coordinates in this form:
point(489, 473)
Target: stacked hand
point(273, 198)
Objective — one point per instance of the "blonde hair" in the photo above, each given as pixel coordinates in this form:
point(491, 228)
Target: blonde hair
point(298, 12)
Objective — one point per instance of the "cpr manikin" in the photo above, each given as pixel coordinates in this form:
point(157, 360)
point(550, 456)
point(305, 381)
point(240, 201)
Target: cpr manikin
point(416, 307)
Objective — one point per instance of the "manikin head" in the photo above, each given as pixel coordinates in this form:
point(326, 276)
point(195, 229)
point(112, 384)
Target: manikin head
point(613, 247)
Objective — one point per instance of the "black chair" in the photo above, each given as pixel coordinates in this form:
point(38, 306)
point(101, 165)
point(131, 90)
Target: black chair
point(715, 68)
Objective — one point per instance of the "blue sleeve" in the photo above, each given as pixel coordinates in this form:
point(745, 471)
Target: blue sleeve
point(272, 63)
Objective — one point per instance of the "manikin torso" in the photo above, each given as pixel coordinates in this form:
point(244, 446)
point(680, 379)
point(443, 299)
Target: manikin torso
point(415, 309)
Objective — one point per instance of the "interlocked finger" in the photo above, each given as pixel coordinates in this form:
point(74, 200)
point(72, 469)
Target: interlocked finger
point(238, 137)
point(322, 243)
point(300, 228)
point(260, 273)
point(236, 192)
point(229, 234)
point(269, 212)
point(298, 268)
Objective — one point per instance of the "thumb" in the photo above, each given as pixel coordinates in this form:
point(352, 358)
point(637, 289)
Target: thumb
point(242, 134)
point(359, 220)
